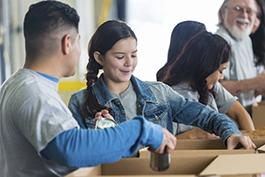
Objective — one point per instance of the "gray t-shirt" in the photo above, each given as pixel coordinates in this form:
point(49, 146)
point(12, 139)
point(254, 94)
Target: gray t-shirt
point(128, 100)
point(221, 101)
point(32, 114)
point(241, 64)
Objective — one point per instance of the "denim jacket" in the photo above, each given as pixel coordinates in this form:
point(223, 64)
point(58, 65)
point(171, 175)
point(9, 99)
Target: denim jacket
point(157, 103)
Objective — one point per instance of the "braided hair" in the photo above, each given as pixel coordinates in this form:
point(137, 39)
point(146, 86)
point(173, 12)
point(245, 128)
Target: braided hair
point(103, 40)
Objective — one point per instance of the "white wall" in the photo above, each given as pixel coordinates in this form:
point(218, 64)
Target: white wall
point(153, 21)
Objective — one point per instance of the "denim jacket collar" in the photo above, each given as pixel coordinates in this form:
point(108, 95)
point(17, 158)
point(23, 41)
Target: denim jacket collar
point(143, 91)
point(104, 96)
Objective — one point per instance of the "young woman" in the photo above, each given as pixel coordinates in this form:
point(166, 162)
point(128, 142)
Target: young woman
point(194, 67)
point(113, 48)
point(184, 31)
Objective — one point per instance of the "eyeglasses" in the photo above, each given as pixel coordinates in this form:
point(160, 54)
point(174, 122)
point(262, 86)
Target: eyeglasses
point(242, 10)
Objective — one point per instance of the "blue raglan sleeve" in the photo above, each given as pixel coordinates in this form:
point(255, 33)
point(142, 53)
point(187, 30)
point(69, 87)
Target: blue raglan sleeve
point(90, 147)
point(197, 114)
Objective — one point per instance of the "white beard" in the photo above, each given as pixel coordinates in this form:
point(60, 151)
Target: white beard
point(238, 33)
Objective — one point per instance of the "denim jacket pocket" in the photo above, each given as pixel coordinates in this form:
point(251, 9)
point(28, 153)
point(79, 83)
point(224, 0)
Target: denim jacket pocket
point(158, 115)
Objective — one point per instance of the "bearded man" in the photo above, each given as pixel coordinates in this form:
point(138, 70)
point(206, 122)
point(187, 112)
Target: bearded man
point(236, 21)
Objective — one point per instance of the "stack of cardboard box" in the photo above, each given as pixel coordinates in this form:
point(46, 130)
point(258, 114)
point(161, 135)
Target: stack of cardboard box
point(191, 158)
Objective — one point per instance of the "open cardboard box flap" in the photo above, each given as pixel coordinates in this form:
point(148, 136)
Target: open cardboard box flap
point(261, 149)
point(238, 164)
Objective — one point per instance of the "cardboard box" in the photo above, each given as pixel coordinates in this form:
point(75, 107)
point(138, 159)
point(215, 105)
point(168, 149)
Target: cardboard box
point(245, 165)
point(199, 134)
point(236, 165)
point(258, 115)
point(193, 147)
point(191, 158)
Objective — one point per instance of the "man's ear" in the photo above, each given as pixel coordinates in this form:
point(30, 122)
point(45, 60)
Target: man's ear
point(98, 57)
point(222, 14)
point(66, 44)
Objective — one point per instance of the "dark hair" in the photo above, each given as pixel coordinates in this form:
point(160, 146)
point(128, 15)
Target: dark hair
point(258, 38)
point(199, 58)
point(103, 40)
point(182, 32)
point(43, 21)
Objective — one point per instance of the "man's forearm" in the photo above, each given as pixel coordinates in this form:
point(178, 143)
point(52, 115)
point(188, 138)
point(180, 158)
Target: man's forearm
point(235, 87)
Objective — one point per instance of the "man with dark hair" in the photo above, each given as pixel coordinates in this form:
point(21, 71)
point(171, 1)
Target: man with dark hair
point(38, 134)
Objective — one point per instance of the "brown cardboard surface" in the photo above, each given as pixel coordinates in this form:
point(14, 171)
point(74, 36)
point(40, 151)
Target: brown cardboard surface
point(148, 176)
point(190, 158)
point(179, 166)
point(85, 172)
point(200, 144)
point(196, 133)
point(259, 133)
point(258, 115)
point(224, 165)
point(194, 152)
point(138, 176)
point(236, 165)
point(258, 137)
point(261, 149)
point(259, 142)
point(199, 134)
point(96, 171)
point(193, 147)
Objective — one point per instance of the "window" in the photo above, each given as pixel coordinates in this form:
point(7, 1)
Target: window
point(153, 21)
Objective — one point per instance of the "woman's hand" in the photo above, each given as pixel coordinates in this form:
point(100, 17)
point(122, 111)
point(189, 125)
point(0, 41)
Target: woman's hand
point(103, 113)
point(245, 141)
point(104, 119)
